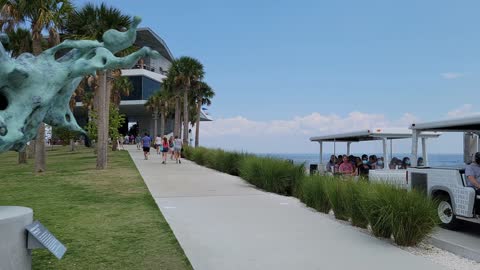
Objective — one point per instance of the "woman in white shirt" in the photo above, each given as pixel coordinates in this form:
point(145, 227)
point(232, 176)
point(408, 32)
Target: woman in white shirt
point(158, 143)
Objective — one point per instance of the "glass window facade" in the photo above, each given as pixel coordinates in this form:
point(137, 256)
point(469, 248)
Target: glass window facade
point(143, 88)
point(149, 87)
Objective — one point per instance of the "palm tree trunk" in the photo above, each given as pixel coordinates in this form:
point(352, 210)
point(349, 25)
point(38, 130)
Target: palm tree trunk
point(102, 124)
point(162, 124)
point(197, 125)
point(40, 151)
point(176, 128)
point(22, 157)
point(115, 144)
point(72, 145)
point(185, 117)
point(155, 123)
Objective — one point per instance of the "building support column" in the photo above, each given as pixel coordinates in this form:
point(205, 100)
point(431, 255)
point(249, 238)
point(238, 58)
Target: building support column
point(386, 158)
point(424, 151)
point(155, 121)
point(321, 154)
point(414, 158)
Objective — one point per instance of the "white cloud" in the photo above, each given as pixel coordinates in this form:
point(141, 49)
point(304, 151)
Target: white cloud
point(291, 135)
point(464, 110)
point(452, 75)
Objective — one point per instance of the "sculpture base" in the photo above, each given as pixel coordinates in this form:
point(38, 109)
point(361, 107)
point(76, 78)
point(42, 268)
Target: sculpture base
point(14, 254)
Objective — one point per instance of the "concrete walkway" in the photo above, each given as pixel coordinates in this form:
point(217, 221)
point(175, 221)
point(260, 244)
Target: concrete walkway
point(224, 223)
point(465, 242)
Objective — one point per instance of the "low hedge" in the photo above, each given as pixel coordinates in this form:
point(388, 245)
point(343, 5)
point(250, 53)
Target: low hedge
point(271, 174)
point(408, 216)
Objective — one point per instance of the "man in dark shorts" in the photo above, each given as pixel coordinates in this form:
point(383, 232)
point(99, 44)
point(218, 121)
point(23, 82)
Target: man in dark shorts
point(146, 141)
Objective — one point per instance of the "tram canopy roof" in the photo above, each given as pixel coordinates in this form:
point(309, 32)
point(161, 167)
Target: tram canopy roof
point(372, 135)
point(463, 124)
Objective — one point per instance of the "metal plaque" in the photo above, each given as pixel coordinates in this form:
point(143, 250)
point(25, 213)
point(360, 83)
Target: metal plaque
point(39, 236)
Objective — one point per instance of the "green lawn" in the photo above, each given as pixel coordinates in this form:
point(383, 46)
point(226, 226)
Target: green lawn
point(107, 219)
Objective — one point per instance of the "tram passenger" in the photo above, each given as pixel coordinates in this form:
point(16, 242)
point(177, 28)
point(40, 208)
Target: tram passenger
point(472, 172)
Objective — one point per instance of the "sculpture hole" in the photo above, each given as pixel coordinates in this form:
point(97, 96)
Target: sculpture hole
point(104, 60)
point(3, 102)
point(67, 117)
point(3, 131)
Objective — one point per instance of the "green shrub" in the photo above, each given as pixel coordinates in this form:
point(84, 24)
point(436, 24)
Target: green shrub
point(337, 192)
point(377, 209)
point(198, 155)
point(270, 174)
point(187, 152)
point(356, 202)
point(312, 191)
point(414, 217)
point(231, 162)
point(210, 158)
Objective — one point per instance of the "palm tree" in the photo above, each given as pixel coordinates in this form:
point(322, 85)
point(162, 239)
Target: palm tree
point(50, 15)
point(11, 17)
point(20, 41)
point(161, 103)
point(43, 15)
point(91, 22)
point(185, 71)
point(202, 95)
point(121, 87)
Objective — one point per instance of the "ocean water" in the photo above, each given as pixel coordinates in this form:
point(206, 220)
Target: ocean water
point(440, 160)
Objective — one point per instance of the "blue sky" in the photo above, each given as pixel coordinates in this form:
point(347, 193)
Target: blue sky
point(286, 70)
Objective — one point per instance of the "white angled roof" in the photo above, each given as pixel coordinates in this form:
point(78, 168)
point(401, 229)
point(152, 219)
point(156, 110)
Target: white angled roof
point(371, 135)
point(463, 124)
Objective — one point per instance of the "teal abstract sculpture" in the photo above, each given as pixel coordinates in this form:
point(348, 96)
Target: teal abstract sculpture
point(36, 89)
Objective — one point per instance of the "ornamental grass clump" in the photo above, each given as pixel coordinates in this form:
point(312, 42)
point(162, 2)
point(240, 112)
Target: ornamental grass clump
point(377, 209)
point(312, 191)
point(210, 158)
point(337, 192)
point(357, 203)
point(273, 175)
point(414, 217)
point(187, 152)
point(198, 155)
point(231, 162)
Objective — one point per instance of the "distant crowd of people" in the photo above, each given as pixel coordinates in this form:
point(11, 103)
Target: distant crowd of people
point(360, 166)
point(164, 146)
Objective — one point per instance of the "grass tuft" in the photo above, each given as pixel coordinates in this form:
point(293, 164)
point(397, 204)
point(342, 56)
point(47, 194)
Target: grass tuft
point(271, 174)
point(337, 192)
point(313, 192)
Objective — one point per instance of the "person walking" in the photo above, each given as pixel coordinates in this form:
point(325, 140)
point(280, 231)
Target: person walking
point(170, 143)
point(138, 141)
point(164, 150)
point(158, 143)
point(177, 149)
point(146, 141)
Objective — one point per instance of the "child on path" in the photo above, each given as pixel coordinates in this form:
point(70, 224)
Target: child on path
point(146, 141)
point(177, 148)
point(164, 150)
